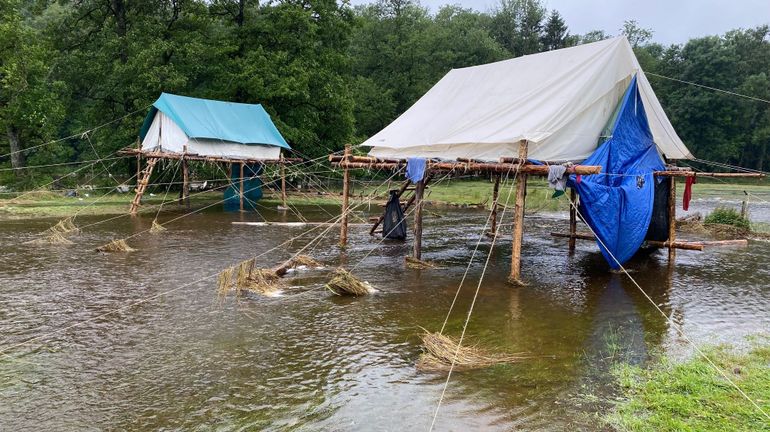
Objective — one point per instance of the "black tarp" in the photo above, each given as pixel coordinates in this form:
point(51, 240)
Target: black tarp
point(394, 224)
point(658, 230)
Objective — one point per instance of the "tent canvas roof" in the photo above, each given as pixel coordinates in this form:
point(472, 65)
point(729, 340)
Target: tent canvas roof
point(559, 101)
point(217, 120)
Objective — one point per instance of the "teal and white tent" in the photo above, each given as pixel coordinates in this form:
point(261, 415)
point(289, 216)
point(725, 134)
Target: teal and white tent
point(203, 127)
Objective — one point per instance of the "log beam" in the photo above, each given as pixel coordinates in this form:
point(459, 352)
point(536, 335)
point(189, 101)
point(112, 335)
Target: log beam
point(687, 245)
point(418, 195)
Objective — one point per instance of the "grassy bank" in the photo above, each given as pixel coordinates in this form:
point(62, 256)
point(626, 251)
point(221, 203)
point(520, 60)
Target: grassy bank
point(461, 193)
point(692, 396)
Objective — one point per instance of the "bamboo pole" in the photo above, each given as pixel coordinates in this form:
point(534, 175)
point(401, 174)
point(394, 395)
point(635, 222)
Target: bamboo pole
point(518, 219)
point(345, 201)
point(671, 219)
point(418, 194)
point(495, 193)
point(241, 187)
point(572, 219)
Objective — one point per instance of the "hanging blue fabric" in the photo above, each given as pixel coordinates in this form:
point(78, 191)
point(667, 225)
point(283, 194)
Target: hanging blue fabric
point(415, 169)
point(617, 204)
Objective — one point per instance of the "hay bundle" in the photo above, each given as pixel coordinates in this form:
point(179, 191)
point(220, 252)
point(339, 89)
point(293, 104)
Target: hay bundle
point(303, 261)
point(64, 226)
point(439, 350)
point(156, 228)
point(344, 283)
point(414, 263)
point(52, 238)
point(262, 281)
point(243, 272)
point(225, 281)
point(119, 245)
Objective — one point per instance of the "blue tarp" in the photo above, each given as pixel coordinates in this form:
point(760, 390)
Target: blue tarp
point(617, 204)
point(227, 121)
point(252, 187)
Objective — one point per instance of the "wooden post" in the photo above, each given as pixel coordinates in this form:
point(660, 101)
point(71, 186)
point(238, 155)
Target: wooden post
point(185, 183)
point(345, 201)
point(518, 218)
point(283, 184)
point(138, 160)
point(572, 218)
point(745, 206)
point(241, 187)
point(671, 219)
point(495, 192)
point(418, 194)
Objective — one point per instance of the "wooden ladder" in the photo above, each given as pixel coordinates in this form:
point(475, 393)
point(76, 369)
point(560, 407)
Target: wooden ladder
point(141, 185)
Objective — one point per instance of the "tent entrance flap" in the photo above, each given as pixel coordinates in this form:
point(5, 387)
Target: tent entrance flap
point(618, 203)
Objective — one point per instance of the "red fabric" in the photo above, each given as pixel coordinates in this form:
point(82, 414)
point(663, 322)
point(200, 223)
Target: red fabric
point(579, 178)
point(687, 192)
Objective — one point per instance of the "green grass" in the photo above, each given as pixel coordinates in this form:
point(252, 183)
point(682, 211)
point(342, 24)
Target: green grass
point(692, 396)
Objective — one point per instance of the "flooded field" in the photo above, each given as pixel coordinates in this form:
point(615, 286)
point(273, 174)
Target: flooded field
point(139, 341)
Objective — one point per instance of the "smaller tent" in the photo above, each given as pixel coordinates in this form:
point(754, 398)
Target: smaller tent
point(203, 127)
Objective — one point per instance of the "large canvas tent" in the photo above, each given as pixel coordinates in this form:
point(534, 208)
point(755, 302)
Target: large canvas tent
point(203, 127)
point(560, 102)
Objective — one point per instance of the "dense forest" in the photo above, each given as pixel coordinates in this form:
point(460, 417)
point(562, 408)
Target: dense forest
point(328, 73)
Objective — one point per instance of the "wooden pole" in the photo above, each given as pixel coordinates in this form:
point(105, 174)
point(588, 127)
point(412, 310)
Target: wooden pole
point(283, 185)
point(672, 219)
point(241, 187)
point(495, 193)
point(518, 219)
point(572, 218)
point(418, 194)
point(345, 201)
point(186, 183)
point(138, 159)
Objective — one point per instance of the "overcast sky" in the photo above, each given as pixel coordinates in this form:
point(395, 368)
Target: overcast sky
point(673, 21)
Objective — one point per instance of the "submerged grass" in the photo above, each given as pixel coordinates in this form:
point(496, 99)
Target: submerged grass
point(439, 351)
point(414, 263)
point(692, 396)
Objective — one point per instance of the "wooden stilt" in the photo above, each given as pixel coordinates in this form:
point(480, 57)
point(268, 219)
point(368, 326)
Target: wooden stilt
point(418, 194)
point(241, 186)
point(572, 218)
point(283, 185)
point(138, 160)
point(345, 201)
point(672, 219)
point(518, 219)
point(141, 185)
point(493, 216)
point(185, 183)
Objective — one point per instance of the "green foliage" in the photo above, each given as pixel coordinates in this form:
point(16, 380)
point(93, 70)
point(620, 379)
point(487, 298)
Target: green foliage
point(327, 73)
point(727, 216)
point(692, 396)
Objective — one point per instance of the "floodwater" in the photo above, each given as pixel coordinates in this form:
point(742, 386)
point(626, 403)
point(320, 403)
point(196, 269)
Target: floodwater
point(138, 341)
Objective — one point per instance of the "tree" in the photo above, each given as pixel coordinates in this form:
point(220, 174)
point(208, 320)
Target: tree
point(594, 36)
point(555, 33)
point(517, 25)
point(30, 110)
point(636, 35)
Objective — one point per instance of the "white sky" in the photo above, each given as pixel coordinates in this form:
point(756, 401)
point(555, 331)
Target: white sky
point(673, 21)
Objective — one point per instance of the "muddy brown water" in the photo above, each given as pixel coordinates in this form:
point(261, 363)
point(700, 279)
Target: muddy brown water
point(169, 356)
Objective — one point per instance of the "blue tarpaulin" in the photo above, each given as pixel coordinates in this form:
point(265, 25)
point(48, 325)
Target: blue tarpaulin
point(617, 204)
point(219, 120)
point(252, 187)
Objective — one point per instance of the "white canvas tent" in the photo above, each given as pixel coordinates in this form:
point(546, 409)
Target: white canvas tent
point(558, 101)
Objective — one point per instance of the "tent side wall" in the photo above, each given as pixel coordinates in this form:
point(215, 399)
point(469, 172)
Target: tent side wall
point(165, 134)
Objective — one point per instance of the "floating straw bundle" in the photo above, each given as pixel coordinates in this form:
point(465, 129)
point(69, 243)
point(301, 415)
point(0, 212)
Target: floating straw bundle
point(439, 350)
point(344, 283)
point(156, 228)
point(116, 246)
point(415, 263)
point(57, 234)
point(303, 261)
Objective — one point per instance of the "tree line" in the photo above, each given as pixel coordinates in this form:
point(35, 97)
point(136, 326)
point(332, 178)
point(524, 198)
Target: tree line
point(328, 73)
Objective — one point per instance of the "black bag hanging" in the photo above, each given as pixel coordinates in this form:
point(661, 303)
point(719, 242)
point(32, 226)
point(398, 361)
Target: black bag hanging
point(658, 229)
point(394, 224)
